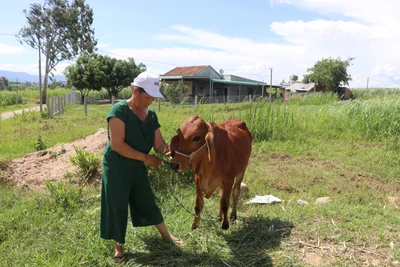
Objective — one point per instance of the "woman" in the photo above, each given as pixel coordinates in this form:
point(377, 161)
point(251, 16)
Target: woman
point(133, 130)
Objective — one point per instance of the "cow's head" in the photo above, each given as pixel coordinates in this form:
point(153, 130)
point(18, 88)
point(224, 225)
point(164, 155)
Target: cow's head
point(194, 139)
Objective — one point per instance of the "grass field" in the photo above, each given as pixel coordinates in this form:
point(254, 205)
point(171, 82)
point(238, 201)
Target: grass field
point(304, 149)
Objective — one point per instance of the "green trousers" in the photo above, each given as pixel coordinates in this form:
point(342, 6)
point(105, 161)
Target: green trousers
point(123, 185)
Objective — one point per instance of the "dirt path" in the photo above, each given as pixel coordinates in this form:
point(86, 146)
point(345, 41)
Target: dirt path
point(32, 169)
point(7, 115)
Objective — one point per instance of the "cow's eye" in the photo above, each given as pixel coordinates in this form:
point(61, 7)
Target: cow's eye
point(196, 138)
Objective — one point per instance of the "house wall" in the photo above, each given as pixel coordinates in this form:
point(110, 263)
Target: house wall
point(187, 83)
point(234, 93)
point(209, 72)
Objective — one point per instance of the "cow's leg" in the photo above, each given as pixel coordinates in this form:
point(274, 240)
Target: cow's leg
point(199, 204)
point(219, 210)
point(236, 193)
point(224, 202)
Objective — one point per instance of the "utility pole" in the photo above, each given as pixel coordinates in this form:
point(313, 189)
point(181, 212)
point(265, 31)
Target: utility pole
point(16, 96)
point(40, 80)
point(270, 86)
point(367, 85)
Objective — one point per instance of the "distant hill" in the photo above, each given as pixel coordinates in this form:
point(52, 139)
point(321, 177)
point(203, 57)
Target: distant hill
point(26, 77)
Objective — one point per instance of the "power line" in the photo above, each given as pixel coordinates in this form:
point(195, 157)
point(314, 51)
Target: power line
point(148, 60)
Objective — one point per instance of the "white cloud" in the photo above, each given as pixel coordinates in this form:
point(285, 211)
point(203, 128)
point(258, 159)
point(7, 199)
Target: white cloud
point(101, 45)
point(10, 50)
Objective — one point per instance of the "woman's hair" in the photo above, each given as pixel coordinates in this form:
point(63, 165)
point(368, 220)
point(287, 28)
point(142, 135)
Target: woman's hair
point(141, 90)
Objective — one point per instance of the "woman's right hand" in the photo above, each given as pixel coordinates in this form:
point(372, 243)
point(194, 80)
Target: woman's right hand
point(152, 160)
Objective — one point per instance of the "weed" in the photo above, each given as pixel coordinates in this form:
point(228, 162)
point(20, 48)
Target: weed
point(87, 162)
point(39, 144)
point(64, 193)
point(54, 154)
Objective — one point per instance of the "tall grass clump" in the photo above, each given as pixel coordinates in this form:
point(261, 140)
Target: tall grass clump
point(266, 121)
point(87, 162)
point(376, 93)
point(65, 194)
point(9, 98)
point(374, 120)
point(314, 99)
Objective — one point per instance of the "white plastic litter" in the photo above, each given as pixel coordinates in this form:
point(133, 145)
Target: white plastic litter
point(267, 199)
point(302, 202)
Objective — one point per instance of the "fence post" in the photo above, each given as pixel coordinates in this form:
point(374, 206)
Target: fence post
point(48, 106)
point(112, 100)
point(85, 104)
point(250, 98)
point(195, 101)
point(59, 104)
point(73, 95)
point(159, 105)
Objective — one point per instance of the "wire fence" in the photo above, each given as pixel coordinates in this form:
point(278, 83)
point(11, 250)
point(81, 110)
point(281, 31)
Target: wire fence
point(56, 104)
point(195, 100)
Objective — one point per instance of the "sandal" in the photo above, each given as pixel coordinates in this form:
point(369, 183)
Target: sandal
point(119, 259)
point(177, 240)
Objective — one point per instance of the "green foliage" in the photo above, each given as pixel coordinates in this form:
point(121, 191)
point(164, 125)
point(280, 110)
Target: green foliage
point(3, 83)
point(119, 73)
point(65, 194)
point(39, 144)
point(87, 162)
point(174, 92)
point(10, 98)
point(86, 74)
point(60, 30)
point(329, 73)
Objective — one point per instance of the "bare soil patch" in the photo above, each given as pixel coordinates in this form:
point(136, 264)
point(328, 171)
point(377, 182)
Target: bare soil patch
point(53, 163)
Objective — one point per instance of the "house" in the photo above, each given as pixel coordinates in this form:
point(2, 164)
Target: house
point(298, 88)
point(205, 82)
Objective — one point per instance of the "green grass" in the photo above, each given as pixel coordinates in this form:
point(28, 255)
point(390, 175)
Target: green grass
point(347, 151)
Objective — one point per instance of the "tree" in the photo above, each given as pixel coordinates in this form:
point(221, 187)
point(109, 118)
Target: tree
point(119, 73)
point(3, 83)
point(60, 31)
point(174, 92)
point(53, 84)
point(86, 75)
point(306, 79)
point(329, 73)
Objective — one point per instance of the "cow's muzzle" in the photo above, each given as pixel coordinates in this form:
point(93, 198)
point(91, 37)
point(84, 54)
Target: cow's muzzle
point(174, 166)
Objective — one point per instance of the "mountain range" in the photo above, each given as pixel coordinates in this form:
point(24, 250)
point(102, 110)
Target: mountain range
point(26, 77)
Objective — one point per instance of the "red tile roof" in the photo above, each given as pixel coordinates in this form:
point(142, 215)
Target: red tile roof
point(185, 71)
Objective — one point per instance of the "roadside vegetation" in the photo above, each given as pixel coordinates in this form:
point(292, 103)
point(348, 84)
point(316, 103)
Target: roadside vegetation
point(306, 148)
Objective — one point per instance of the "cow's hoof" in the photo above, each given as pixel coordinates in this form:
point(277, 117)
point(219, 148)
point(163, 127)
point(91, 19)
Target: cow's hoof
point(225, 226)
point(195, 226)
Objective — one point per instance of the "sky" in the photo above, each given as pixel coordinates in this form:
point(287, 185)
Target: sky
point(251, 39)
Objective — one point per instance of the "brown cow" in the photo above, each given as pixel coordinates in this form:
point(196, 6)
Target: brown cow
point(216, 154)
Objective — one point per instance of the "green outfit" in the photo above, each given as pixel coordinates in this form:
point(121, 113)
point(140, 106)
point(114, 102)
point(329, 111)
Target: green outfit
point(125, 181)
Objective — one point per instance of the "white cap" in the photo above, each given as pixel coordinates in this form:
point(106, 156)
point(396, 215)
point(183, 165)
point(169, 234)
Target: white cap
point(149, 82)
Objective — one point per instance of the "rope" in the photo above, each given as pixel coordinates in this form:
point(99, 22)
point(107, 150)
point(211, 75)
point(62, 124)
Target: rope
point(172, 193)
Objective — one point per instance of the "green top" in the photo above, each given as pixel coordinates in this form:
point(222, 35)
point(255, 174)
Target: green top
point(138, 134)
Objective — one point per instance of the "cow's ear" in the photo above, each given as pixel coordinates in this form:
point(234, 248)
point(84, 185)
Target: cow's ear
point(173, 145)
point(210, 141)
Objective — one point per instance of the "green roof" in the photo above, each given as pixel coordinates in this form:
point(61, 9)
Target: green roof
point(239, 82)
